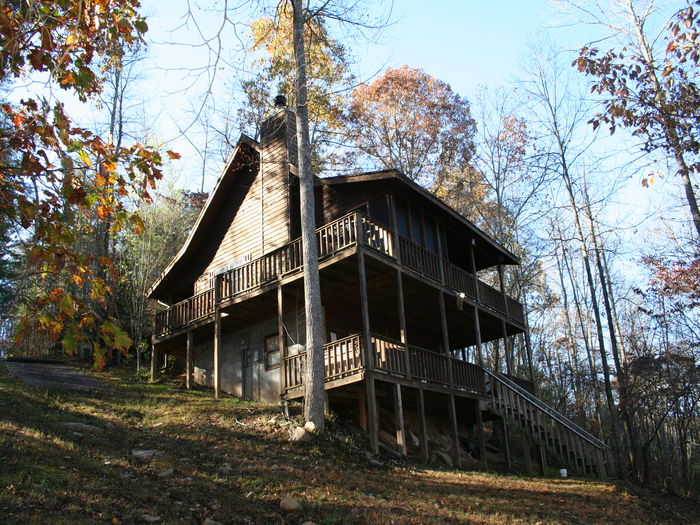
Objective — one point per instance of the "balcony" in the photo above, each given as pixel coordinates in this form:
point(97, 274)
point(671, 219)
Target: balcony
point(346, 359)
point(334, 238)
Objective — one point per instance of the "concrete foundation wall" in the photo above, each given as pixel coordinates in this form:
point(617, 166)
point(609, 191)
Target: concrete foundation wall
point(243, 371)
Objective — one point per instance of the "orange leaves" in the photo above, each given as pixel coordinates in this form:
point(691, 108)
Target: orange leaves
point(411, 121)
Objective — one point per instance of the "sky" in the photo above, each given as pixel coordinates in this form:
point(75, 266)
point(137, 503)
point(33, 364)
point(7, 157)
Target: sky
point(468, 44)
point(465, 43)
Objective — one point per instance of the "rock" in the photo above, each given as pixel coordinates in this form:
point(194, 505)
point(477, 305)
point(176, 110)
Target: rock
point(414, 438)
point(146, 454)
point(150, 519)
point(210, 521)
point(376, 462)
point(300, 434)
point(310, 427)
point(289, 504)
point(444, 457)
point(166, 473)
point(308, 523)
point(80, 426)
point(225, 469)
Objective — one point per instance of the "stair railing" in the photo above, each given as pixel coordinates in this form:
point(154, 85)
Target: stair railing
point(549, 411)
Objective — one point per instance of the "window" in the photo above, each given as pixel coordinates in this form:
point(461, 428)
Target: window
point(417, 227)
point(402, 219)
point(271, 351)
point(431, 235)
point(379, 210)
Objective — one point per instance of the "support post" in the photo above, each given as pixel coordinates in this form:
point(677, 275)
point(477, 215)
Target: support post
point(445, 338)
point(454, 431)
point(423, 427)
point(154, 361)
point(480, 434)
point(402, 323)
point(281, 340)
point(506, 445)
point(372, 423)
point(188, 359)
point(154, 351)
point(506, 349)
point(217, 336)
point(477, 333)
point(398, 413)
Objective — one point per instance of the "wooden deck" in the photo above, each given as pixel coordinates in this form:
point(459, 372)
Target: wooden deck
point(345, 233)
point(347, 361)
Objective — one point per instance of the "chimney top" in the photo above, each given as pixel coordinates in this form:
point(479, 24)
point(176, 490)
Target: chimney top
point(280, 101)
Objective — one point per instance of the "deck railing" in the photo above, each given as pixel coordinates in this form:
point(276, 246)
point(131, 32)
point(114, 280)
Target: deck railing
point(345, 357)
point(342, 358)
point(349, 230)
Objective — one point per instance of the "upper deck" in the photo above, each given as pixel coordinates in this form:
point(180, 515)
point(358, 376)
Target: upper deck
point(337, 239)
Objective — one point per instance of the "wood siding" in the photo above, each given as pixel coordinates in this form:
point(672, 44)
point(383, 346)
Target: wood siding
point(255, 217)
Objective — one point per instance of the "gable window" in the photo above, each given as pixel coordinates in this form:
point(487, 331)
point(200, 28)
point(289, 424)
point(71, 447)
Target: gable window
point(271, 352)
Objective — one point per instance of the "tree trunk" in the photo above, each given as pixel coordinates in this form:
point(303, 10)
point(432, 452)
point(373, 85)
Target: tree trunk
point(314, 374)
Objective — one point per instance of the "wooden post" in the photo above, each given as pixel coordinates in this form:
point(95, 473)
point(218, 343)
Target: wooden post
point(445, 337)
point(506, 350)
point(373, 423)
point(154, 361)
point(188, 359)
point(455, 431)
point(402, 323)
point(423, 427)
point(154, 351)
point(395, 222)
point(217, 336)
point(398, 416)
point(480, 434)
point(506, 445)
point(281, 340)
point(477, 332)
point(525, 442)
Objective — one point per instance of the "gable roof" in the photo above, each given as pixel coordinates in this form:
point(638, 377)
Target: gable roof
point(394, 175)
point(234, 162)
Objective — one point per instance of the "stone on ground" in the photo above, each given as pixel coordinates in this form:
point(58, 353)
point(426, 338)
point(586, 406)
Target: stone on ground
point(289, 504)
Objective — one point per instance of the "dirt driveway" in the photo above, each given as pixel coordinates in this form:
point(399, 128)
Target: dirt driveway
point(52, 375)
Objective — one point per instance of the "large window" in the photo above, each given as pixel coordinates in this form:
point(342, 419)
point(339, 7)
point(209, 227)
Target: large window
point(402, 219)
point(271, 351)
point(431, 235)
point(379, 210)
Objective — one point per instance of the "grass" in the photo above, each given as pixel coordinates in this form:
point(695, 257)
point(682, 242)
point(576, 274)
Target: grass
point(230, 461)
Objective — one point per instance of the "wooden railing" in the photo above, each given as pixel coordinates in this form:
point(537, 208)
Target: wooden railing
point(342, 358)
point(419, 259)
point(429, 366)
point(376, 236)
point(332, 238)
point(468, 375)
point(389, 355)
point(460, 280)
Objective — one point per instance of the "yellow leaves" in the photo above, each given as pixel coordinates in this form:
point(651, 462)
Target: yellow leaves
point(85, 158)
point(71, 39)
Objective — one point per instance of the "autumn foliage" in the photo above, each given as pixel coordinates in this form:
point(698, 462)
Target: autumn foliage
point(411, 121)
point(56, 177)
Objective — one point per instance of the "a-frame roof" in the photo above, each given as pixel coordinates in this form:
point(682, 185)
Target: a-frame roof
point(236, 159)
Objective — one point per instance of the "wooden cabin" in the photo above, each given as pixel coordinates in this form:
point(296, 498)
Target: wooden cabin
point(405, 313)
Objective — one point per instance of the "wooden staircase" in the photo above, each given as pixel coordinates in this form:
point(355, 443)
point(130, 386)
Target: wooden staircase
point(578, 450)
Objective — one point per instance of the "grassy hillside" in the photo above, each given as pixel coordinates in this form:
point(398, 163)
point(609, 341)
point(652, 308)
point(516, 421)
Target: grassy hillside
point(230, 461)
